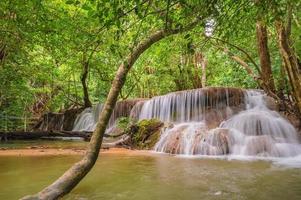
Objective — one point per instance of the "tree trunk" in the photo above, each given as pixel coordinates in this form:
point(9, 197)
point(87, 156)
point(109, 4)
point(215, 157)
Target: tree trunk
point(87, 102)
point(204, 66)
point(264, 55)
point(290, 59)
point(281, 82)
point(78, 171)
point(197, 61)
point(291, 62)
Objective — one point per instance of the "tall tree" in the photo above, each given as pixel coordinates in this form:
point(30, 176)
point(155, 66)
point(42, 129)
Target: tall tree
point(291, 62)
point(266, 74)
point(264, 56)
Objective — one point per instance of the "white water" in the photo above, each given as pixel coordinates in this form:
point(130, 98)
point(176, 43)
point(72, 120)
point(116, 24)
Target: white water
point(213, 122)
point(87, 120)
point(255, 131)
point(187, 106)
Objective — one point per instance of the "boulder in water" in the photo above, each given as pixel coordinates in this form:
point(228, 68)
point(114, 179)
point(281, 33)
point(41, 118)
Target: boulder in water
point(145, 133)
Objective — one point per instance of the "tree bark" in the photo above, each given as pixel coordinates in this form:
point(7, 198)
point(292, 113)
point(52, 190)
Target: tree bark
point(281, 82)
point(197, 61)
point(87, 102)
point(243, 64)
point(204, 66)
point(78, 171)
point(264, 56)
point(291, 63)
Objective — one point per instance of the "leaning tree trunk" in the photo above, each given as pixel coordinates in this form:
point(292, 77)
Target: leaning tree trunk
point(87, 102)
point(78, 171)
point(291, 63)
point(264, 55)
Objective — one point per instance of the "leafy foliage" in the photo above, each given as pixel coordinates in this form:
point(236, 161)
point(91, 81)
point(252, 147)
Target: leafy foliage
point(44, 44)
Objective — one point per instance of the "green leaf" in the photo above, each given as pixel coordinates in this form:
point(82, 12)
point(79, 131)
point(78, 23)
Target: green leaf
point(69, 1)
point(86, 7)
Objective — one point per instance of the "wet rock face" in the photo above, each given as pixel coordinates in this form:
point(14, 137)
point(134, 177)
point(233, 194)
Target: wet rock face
point(194, 139)
point(214, 142)
point(271, 103)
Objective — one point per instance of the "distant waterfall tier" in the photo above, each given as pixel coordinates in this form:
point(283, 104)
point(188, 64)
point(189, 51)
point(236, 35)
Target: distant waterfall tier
point(87, 120)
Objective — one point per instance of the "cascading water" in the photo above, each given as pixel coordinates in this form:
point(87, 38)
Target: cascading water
point(211, 104)
point(87, 120)
point(261, 131)
point(244, 125)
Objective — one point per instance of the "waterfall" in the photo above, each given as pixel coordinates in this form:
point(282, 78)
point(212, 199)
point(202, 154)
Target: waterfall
point(87, 120)
point(261, 131)
point(193, 105)
point(209, 121)
point(245, 126)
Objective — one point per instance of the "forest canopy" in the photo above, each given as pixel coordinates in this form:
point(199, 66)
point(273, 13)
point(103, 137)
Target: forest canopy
point(64, 53)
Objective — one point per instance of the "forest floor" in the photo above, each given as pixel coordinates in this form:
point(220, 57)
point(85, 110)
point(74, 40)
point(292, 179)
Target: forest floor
point(40, 151)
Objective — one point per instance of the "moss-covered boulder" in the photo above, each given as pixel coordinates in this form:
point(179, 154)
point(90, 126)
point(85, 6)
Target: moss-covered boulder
point(145, 133)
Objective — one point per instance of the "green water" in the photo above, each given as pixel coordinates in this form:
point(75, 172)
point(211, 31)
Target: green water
point(136, 177)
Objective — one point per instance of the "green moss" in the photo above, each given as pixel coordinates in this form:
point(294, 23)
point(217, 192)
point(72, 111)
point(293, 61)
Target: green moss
point(123, 122)
point(146, 133)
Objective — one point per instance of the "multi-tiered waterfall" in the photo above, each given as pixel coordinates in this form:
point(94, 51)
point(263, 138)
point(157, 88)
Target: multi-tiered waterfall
point(213, 121)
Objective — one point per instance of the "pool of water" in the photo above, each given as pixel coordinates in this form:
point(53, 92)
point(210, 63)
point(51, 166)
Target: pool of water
point(153, 176)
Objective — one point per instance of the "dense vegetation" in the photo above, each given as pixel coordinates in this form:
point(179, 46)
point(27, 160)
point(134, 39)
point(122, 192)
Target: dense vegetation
point(58, 54)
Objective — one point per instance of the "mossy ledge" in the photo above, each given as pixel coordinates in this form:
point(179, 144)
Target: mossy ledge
point(145, 133)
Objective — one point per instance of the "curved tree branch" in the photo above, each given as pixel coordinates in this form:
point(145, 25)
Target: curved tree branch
point(78, 171)
point(242, 50)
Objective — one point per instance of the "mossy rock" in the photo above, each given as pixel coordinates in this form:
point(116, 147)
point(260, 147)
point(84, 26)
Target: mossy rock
point(145, 133)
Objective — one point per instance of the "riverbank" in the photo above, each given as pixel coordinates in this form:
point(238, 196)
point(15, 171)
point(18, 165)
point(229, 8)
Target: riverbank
point(38, 151)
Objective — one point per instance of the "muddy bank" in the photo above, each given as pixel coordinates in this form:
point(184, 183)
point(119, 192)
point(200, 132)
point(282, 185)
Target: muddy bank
point(40, 151)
